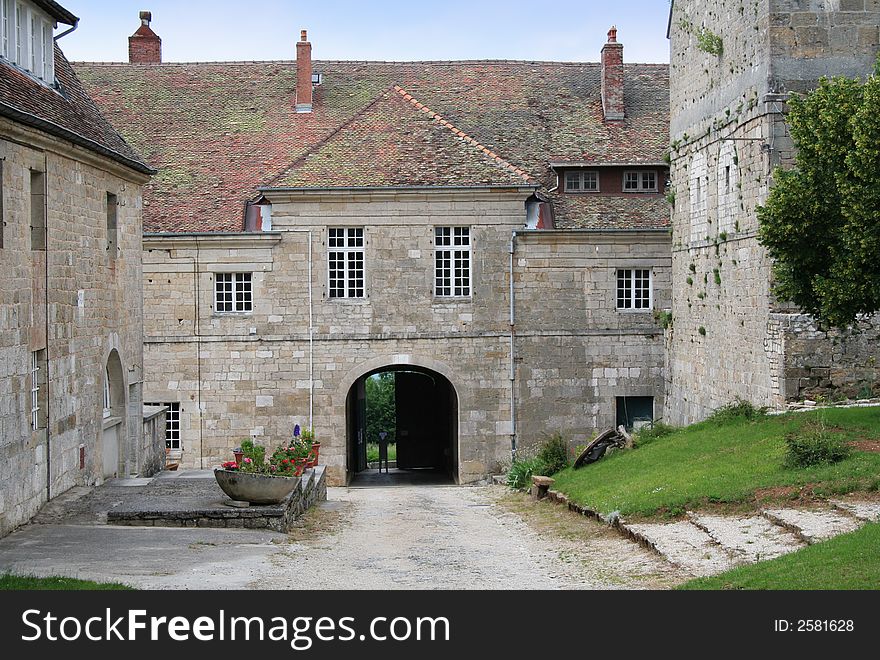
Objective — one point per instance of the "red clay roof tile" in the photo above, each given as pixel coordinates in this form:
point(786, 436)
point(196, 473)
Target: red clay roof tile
point(220, 131)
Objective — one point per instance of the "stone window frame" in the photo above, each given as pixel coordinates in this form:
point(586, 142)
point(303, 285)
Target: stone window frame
point(641, 179)
point(38, 211)
point(581, 188)
point(237, 291)
point(112, 202)
point(453, 262)
point(627, 293)
point(346, 263)
point(698, 186)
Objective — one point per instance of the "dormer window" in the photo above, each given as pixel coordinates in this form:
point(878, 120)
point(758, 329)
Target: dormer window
point(27, 39)
point(582, 181)
point(640, 181)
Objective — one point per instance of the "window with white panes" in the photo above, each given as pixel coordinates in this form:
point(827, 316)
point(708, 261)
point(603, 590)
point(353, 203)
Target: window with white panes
point(20, 37)
point(35, 391)
point(634, 289)
point(47, 70)
point(27, 38)
point(345, 262)
point(587, 181)
point(5, 27)
point(34, 49)
point(172, 424)
point(233, 293)
point(452, 262)
point(108, 397)
point(38, 390)
point(643, 181)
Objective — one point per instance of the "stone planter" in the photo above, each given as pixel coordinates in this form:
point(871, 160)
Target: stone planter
point(255, 488)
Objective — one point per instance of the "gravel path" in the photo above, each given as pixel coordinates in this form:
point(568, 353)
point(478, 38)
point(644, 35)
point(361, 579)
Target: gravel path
point(410, 537)
point(464, 538)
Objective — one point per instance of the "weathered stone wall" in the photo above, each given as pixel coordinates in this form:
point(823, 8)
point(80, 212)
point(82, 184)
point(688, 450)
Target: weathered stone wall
point(822, 364)
point(730, 338)
point(576, 353)
point(254, 369)
point(93, 307)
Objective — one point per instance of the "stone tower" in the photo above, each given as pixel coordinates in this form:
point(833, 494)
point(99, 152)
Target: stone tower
point(733, 66)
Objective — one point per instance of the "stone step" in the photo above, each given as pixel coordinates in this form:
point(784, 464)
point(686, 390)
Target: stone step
point(866, 511)
point(685, 545)
point(813, 525)
point(752, 538)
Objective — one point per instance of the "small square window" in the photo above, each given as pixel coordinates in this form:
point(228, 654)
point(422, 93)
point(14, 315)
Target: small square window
point(233, 293)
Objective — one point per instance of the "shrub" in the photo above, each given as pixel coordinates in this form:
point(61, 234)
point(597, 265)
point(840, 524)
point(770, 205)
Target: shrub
point(814, 444)
point(257, 453)
point(553, 454)
point(656, 431)
point(521, 472)
point(737, 411)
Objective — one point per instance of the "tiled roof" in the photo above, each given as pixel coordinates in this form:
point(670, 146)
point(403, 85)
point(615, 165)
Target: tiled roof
point(68, 112)
point(600, 211)
point(219, 131)
point(397, 141)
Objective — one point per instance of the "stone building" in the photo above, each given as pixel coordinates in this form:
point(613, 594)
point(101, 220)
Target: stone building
point(71, 358)
point(733, 67)
point(494, 232)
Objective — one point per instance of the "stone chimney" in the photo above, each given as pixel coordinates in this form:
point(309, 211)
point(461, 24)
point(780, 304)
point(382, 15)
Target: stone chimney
point(612, 78)
point(304, 74)
point(145, 46)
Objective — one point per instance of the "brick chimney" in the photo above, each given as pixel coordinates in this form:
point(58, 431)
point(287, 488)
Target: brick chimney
point(304, 74)
point(612, 78)
point(145, 46)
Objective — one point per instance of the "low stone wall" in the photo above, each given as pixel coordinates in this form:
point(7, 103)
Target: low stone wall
point(311, 489)
point(152, 452)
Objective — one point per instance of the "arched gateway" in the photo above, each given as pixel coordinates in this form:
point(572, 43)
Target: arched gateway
point(426, 429)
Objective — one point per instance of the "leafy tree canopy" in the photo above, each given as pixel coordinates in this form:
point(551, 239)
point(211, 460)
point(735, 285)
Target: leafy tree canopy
point(821, 222)
point(381, 409)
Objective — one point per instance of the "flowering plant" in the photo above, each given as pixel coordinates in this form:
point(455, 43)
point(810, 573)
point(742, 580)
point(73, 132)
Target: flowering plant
point(287, 460)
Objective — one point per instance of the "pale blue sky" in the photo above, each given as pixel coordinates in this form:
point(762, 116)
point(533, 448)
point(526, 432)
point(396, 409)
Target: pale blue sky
point(203, 30)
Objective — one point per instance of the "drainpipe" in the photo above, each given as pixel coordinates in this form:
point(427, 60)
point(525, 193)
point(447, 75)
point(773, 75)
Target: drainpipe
point(311, 344)
point(66, 32)
point(48, 361)
point(512, 353)
point(198, 329)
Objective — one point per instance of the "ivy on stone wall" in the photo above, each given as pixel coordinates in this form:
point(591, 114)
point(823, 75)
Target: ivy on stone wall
point(821, 222)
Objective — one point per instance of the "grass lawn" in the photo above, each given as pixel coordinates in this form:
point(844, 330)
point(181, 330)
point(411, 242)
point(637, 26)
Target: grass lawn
point(373, 452)
point(721, 461)
point(851, 561)
point(29, 583)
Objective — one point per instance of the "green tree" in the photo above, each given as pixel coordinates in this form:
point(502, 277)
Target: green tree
point(821, 222)
point(381, 411)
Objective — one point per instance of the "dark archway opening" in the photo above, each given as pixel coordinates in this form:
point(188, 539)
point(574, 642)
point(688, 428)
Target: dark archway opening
point(417, 410)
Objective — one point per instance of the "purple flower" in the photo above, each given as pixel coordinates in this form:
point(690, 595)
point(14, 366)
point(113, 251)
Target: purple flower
point(296, 431)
